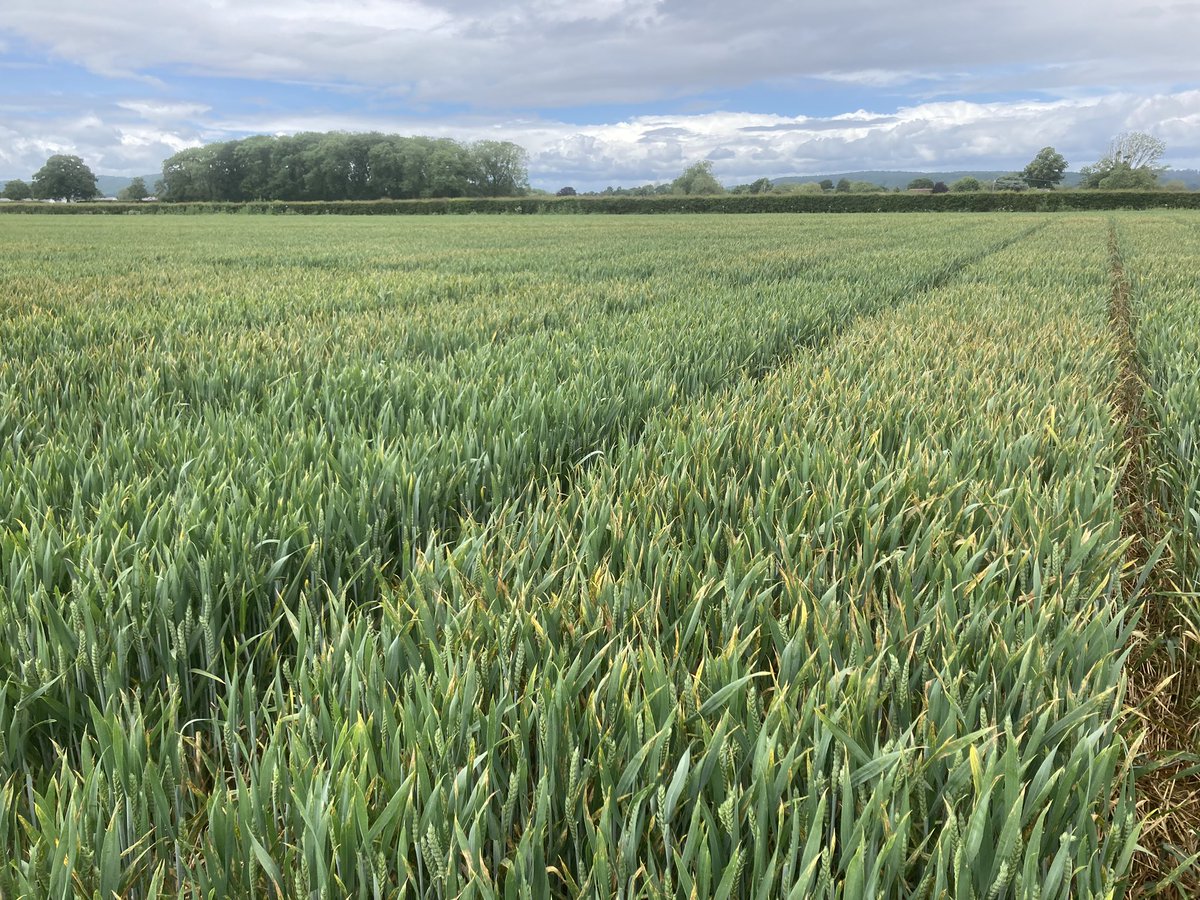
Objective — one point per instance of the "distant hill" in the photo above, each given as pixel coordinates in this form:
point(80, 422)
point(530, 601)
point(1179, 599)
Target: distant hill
point(900, 180)
point(1190, 177)
point(110, 185)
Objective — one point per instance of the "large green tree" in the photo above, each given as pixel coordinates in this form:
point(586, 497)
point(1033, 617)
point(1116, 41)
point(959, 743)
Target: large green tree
point(17, 190)
point(339, 166)
point(185, 174)
point(64, 178)
point(1046, 169)
point(500, 167)
point(134, 191)
point(449, 170)
point(1137, 149)
point(253, 160)
point(1131, 163)
point(697, 179)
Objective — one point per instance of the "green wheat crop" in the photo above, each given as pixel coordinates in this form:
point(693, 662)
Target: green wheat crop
point(668, 557)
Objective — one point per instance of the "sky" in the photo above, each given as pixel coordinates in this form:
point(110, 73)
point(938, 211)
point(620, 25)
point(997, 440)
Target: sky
point(607, 92)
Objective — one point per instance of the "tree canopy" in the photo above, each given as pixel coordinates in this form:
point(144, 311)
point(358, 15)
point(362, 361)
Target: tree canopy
point(64, 178)
point(697, 179)
point(645, 190)
point(341, 166)
point(1046, 169)
point(965, 184)
point(136, 190)
point(17, 190)
point(921, 184)
point(501, 168)
point(1131, 163)
point(1136, 149)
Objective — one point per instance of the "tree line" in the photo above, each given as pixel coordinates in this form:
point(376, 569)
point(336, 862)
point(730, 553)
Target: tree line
point(340, 166)
point(1132, 162)
point(372, 166)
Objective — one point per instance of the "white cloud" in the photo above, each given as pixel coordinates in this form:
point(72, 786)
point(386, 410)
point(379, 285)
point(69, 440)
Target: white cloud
point(133, 137)
point(107, 144)
point(151, 109)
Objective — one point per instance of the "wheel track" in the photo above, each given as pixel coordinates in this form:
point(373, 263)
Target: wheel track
point(1168, 792)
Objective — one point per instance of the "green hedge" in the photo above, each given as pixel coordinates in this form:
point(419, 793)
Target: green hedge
point(732, 203)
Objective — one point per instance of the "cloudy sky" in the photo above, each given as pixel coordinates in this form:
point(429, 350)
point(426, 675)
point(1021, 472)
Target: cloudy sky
point(607, 91)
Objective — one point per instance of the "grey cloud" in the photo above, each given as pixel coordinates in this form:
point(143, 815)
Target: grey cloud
point(539, 53)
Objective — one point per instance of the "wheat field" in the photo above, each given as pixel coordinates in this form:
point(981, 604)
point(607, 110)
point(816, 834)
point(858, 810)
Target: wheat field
point(668, 556)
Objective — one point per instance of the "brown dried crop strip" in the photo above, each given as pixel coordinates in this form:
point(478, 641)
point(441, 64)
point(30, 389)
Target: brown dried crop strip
point(1168, 790)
